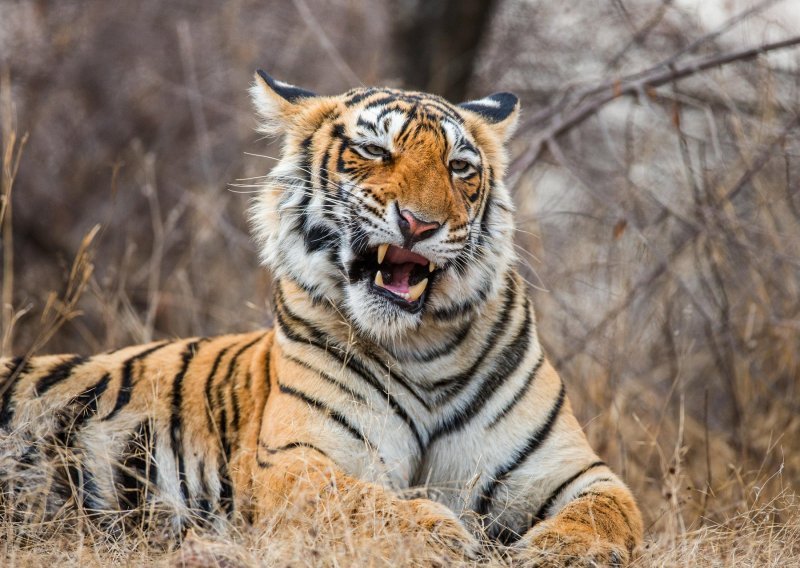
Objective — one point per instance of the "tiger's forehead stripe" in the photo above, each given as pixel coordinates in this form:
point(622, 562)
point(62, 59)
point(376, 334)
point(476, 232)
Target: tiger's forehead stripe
point(388, 118)
point(457, 139)
point(405, 100)
point(385, 124)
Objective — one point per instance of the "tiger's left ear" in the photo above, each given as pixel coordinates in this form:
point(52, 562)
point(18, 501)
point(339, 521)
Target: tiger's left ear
point(500, 110)
point(276, 102)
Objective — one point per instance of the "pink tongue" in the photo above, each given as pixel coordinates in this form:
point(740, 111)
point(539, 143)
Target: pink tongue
point(400, 274)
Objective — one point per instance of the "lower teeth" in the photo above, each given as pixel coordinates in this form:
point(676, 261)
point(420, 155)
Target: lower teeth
point(414, 292)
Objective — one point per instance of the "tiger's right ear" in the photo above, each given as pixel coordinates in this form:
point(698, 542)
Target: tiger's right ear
point(276, 102)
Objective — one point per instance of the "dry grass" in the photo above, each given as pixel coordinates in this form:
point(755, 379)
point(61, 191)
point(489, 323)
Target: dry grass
point(659, 238)
point(767, 536)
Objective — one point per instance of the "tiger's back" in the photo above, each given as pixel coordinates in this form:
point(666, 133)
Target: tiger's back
point(157, 427)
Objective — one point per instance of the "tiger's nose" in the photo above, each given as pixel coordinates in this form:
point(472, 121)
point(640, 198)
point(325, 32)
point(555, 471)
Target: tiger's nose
point(415, 229)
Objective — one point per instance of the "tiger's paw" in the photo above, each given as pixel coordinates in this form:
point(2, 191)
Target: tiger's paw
point(442, 530)
point(552, 548)
point(199, 552)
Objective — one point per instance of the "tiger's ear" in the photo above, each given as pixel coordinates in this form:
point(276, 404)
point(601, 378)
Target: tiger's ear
point(276, 102)
point(500, 110)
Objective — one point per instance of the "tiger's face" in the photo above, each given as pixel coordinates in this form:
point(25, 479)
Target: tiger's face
point(387, 204)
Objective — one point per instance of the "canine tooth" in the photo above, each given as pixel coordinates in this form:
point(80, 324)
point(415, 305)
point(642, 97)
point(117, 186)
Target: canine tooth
point(382, 252)
point(431, 267)
point(379, 279)
point(416, 290)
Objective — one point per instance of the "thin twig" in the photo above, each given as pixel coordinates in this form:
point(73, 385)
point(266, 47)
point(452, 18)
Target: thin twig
point(195, 100)
point(11, 156)
point(324, 41)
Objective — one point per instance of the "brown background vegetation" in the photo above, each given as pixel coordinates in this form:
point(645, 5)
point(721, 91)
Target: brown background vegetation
point(660, 236)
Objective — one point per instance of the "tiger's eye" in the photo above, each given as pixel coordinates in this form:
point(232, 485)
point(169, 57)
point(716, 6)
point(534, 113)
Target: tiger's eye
point(459, 166)
point(374, 151)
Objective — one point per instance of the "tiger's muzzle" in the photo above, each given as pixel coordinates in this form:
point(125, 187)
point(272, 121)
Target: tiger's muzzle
point(396, 274)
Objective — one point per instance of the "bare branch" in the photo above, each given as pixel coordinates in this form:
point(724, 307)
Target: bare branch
point(561, 120)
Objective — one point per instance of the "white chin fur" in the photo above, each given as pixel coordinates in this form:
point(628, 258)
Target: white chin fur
point(375, 317)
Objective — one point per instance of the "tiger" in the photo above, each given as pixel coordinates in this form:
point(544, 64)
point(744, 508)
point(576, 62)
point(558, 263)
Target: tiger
point(403, 374)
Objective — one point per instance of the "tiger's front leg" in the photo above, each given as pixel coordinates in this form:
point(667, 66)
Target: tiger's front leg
point(300, 489)
point(320, 463)
point(601, 526)
point(555, 502)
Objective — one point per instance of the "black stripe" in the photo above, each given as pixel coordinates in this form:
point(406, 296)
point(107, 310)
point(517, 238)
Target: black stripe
point(70, 477)
point(325, 376)
point(89, 494)
point(323, 167)
point(341, 165)
point(357, 97)
point(354, 366)
point(556, 493)
point(507, 362)
point(230, 382)
point(444, 349)
point(336, 416)
point(137, 469)
point(485, 232)
point(319, 237)
point(459, 381)
point(285, 448)
point(267, 362)
point(126, 384)
point(225, 487)
point(17, 367)
point(288, 330)
point(404, 132)
point(330, 191)
point(307, 187)
point(533, 443)
point(262, 463)
point(59, 373)
point(520, 394)
point(84, 407)
point(232, 365)
point(344, 357)
point(291, 446)
point(226, 483)
point(204, 499)
point(89, 399)
point(209, 383)
point(371, 126)
point(175, 422)
point(458, 310)
point(389, 98)
point(399, 410)
point(234, 398)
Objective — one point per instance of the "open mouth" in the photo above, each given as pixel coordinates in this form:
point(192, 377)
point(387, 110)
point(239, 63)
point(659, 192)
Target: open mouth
point(397, 274)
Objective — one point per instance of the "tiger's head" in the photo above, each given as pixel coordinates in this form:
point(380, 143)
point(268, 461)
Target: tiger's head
point(388, 204)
